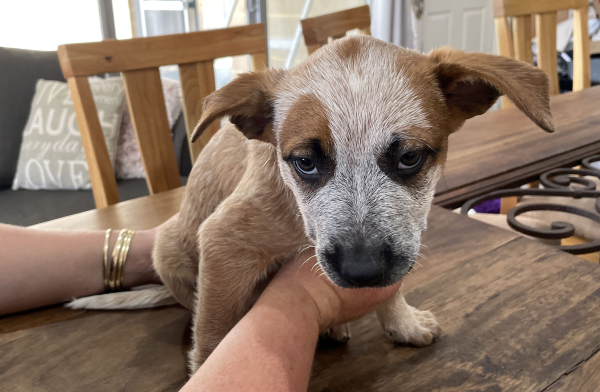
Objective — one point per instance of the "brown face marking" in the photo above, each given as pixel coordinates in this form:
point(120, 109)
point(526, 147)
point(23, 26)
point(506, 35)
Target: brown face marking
point(420, 74)
point(305, 133)
point(306, 121)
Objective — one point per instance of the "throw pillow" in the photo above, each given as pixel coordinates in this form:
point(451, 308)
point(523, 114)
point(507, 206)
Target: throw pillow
point(19, 72)
point(52, 155)
point(129, 161)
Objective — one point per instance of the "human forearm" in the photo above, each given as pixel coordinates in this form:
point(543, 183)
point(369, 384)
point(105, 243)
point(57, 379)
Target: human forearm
point(41, 267)
point(274, 348)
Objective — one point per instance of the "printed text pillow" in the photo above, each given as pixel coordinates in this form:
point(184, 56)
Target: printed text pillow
point(52, 155)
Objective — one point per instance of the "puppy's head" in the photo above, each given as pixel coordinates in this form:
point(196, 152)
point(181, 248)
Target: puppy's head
point(361, 130)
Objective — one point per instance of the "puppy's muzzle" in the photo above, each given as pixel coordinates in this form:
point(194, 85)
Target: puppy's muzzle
point(359, 265)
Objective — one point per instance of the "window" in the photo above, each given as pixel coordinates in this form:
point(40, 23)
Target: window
point(45, 24)
point(286, 45)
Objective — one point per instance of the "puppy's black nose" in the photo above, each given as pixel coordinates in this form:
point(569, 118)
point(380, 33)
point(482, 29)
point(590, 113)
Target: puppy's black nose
point(359, 265)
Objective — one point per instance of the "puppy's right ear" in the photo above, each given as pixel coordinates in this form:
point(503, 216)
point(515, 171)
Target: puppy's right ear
point(472, 82)
point(248, 101)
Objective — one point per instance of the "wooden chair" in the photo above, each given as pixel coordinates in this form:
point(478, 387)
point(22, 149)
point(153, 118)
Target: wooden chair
point(138, 60)
point(518, 45)
point(319, 30)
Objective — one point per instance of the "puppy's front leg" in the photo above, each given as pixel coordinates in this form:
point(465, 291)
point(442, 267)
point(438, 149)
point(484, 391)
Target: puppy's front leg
point(225, 285)
point(406, 324)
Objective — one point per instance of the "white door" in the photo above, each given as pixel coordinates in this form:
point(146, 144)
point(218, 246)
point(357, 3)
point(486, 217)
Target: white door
point(464, 24)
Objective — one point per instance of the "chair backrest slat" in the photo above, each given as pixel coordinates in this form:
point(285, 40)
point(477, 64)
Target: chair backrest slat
point(505, 45)
point(518, 44)
point(319, 29)
point(546, 44)
point(101, 171)
point(581, 50)
point(259, 61)
point(522, 38)
point(149, 117)
point(197, 82)
point(138, 60)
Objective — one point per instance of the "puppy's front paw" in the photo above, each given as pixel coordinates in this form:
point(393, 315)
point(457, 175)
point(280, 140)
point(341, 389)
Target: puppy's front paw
point(341, 333)
point(418, 328)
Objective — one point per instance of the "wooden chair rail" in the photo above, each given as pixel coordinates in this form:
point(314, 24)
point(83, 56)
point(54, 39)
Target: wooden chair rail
point(150, 52)
point(138, 60)
point(319, 29)
point(528, 7)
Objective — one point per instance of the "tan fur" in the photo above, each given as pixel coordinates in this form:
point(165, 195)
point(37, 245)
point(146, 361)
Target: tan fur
point(240, 240)
point(242, 215)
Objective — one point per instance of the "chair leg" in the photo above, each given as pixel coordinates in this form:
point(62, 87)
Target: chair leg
point(507, 203)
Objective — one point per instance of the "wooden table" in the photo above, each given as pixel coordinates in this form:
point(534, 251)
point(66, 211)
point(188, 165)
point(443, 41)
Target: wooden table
point(504, 148)
point(517, 315)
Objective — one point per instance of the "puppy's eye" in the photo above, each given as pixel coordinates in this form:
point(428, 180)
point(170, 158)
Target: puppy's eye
point(305, 166)
point(410, 160)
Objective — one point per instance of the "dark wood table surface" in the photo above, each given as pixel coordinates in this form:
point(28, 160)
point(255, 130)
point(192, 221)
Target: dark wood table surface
point(517, 316)
point(504, 148)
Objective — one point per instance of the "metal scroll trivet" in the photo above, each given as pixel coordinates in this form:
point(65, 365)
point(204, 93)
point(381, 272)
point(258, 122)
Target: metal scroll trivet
point(556, 182)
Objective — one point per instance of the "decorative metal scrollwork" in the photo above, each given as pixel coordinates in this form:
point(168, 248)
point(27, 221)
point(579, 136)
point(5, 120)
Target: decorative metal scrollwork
point(556, 182)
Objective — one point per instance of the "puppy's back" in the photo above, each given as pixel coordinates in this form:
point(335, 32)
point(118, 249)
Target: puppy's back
point(214, 177)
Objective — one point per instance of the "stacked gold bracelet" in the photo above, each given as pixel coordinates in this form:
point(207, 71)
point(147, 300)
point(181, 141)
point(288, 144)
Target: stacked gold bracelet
point(112, 267)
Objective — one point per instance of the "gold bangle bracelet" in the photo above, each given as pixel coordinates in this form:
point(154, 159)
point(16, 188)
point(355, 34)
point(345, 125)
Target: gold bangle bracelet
point(116, 253)
point(123, 257)
point(105, 266)
point(114, 266)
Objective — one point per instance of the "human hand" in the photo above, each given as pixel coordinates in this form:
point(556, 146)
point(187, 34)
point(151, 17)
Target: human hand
point(138, 269)
point(331, 304)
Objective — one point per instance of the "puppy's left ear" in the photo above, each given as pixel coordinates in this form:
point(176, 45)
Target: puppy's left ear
point(247, 100)
point(472, 82)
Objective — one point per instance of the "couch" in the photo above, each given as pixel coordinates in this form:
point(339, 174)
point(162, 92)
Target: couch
point(19, 72)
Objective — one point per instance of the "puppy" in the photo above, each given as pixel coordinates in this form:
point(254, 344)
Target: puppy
point(341, 153)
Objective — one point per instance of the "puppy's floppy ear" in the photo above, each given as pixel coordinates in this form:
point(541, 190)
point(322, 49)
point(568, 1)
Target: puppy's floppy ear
point(472, 82)
point(248, 102)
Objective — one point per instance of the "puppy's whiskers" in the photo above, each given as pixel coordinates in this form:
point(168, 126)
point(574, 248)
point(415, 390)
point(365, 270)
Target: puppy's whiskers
point(305, 261)
point(302, 248)
point(316, 265)
point(319, 269)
